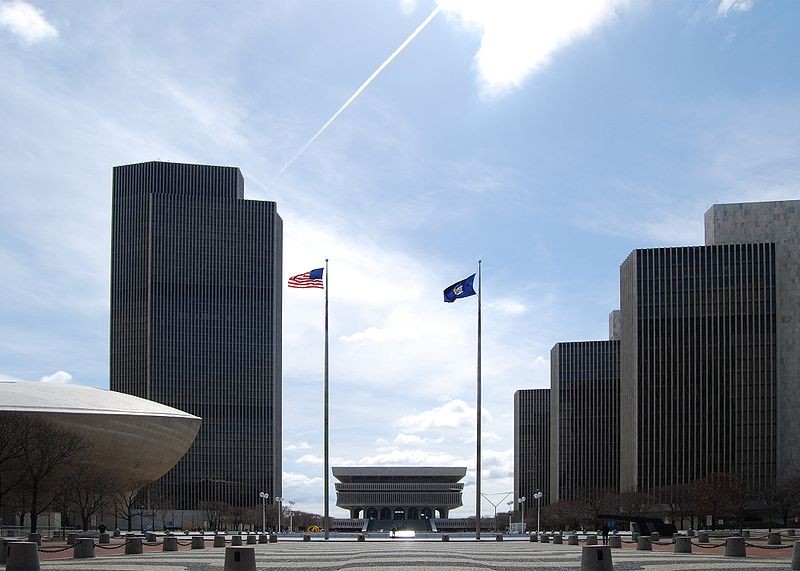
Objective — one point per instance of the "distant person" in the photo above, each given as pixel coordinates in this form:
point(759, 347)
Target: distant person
point(101, 528)
point(393, 532)
point(605, 531)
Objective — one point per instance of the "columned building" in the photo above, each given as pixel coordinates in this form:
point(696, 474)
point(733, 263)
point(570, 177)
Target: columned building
point(699, 373)
point(584, 419)
point(399, 493)
point(196, 278)
point(531, 446)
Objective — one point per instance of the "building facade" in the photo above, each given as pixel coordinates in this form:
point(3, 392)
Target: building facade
point(399, 493)
point(196, 278)
point(778, 223)
point(584, 419)
point(531, 445)
point(698, 366)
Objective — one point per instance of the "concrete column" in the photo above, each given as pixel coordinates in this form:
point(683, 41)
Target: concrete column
point(796, 557)
point(84, 548)
point(22, 556)
point(557, 539)
point(103, 538)
point(702, 537)
point(170, 543)
point(273, 538)
point(573, 539)
point(151, 537)
point(263, 538)
point(615, 541)
point(545, 538)
point(198, 542)
point(240, 559)
point(533, 538)
point(133, 546)
point(591, 539)
point(219, 541)
point(643, 544)
point(252, 540)
point(236, 540)
point(596, 558)
point(774, 539)
point(735, 547)
point(682, 545)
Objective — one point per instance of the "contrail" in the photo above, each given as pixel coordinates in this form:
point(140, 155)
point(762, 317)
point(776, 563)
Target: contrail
point(358, 91)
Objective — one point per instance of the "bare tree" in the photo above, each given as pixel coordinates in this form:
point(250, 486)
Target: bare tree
point(127, 500)
point(677, 501)
point(86, 490)
point(787, 494)
point(47, 448)
point(594, 501)
point(213, 513)
point(13, 427)
point(715, 495)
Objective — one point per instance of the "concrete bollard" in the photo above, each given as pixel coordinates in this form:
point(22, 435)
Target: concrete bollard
point(615, 542)
point(735, 547)
point(774, 539)
point(151, 537)
point(263, 538)
point(573, 539)
point(306, 537)
point(198, 542)
point(252, 540)
point(498, 537)
point(596, 558)
point(22, 556)
point(219, 541)
point(558, 539)
point(236, 540)
point(361, 537)
point(36, 538)
point(445, 537)
point(71, 537)
point(240, 559)
point(643, 544)
point(103, 538)
point(533, 538)
point(170, 543)
point(796, 557)
point(133, 546)
point(591, 539)
point(682, 545)
point(273, 538)
point(702, 537)
point(655, 536)
point(84, 548)
point(545, 538)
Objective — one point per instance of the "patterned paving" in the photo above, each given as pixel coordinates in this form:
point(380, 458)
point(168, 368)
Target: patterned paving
point(412, 556)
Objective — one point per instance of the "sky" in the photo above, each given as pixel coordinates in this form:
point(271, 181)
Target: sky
point(548, 139)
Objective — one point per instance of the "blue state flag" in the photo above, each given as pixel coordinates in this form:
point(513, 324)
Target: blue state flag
point(459, 289)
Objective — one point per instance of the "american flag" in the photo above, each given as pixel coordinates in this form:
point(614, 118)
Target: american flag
point(312, 279)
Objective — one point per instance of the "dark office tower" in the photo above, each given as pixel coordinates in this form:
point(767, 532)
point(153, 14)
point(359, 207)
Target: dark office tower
point(698, 366)
point(531, 446)
point(777, 222)
point(196, 322)
point(584, 419)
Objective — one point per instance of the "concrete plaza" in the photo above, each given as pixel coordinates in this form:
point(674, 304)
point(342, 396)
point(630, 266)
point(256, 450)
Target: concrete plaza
point(457, 555)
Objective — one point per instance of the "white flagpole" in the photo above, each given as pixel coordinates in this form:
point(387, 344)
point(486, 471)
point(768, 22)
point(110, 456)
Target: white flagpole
point(478, 465)
point(326, 522)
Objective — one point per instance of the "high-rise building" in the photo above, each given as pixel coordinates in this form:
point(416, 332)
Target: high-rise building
point(778, 223)
point(196, 278)
point(698, 366)
point(531, 445)
point(584, 419)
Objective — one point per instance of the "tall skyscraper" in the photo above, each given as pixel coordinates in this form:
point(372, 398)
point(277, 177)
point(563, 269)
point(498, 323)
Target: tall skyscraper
point(531, 446)
point(778, 223)
point(584, 419)
point(196, 278)
point(698, 366)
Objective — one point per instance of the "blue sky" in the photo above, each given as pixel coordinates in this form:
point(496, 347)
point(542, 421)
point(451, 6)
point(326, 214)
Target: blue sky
point(548, 139)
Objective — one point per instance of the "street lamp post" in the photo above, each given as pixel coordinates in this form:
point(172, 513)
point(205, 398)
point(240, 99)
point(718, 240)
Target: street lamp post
point(522, 503)
point(264, 496)
point(510, 505)
point(538, 495)
point(280, 509)
point(291, 515)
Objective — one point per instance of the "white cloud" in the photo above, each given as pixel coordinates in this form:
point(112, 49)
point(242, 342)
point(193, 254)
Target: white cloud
point(414, 440)
point(293, 480)
point(726, 6)
point(26, 21)
point(57, 377)
point(302, 445)
point(309, 459)
point(408, 7)
point(518, 38)
point(507, 306)
point(453, 414)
